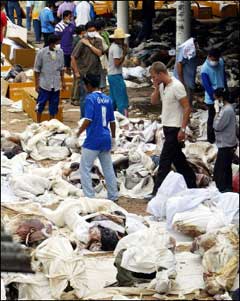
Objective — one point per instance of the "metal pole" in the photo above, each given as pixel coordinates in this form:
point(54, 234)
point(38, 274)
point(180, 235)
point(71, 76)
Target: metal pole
point(183, 22)
point(122, 15)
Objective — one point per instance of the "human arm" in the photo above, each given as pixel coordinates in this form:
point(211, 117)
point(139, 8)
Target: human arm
point(155, 97)
point(221, 120)
point(207, 85)
point(186, 114)
point(37, 69)
point(180, 72)
point(118, 61)
point(75, 54)
point(94, 49)
point(36, 77)
point(113, 129)
point(83, 127)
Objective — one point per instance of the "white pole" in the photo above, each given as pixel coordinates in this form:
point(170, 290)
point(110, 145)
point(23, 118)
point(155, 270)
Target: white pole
point(122, 15)
point(183, 21)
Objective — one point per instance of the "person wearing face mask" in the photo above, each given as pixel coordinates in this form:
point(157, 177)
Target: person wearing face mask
point(176, 110)
point(47, 21)
point(86, 59)
point(48, 73)
point(213, 76)
point(65, 30)
point(117, 53)
point(225, 131)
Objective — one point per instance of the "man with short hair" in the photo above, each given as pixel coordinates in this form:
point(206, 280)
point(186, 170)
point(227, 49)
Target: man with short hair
point(225, 130)
point(213, 77)
point(98, 114)
point(175, 116)
point(49, 72)
point(86, 59)
point(47, 21)
point(65, 30)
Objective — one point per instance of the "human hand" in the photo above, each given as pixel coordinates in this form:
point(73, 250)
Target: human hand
point(37, 88)
point(216, 106)
point(77, 74)
point(125, 49)
point(63, 85)
point(85, 42)
point(181, 136)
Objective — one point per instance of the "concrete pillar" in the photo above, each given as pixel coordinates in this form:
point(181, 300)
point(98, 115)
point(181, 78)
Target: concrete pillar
point(122, 15)
point(183, 22)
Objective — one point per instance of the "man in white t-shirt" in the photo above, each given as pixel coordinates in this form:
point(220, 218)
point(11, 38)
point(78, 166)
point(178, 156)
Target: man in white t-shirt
point(175, 116)
point(83, 10)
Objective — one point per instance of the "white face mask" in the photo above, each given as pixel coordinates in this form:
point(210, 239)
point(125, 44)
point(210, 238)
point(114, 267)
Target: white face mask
point(213, 63)
point(57, 47)
point(92, 34)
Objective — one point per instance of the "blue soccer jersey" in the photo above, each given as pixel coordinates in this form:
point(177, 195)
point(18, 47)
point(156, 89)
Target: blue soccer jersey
point(99, 110)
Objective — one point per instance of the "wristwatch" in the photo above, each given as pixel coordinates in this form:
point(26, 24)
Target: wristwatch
point(183, 130)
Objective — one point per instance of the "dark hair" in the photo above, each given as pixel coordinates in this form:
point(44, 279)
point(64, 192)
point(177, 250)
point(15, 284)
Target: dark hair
point(79, 29)
point(92, 79)
point(90, 24)
point(109, 239)
point(53, 38)
point(220, 92)
point(214, 53)
point(66, 13)
point(50, 4)
point(99, 24)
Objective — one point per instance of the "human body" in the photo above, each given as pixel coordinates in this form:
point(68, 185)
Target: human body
point(14, 5)
point(175, 116)
point(225, 131)
point(47, 22)
point(37, 7)
point(83, 13)
point(117, 54)
point(98, 114)
point(213, 77)
point(3, 24)
point(49, 72)
point(66, 5)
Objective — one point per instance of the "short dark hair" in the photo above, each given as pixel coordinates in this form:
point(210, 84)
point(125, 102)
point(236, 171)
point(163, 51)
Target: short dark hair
point(99, 24)
point(80, 29)
point(90, 24)
point(221, 92)
point(50, 4)
point(214, 53)
point(92, 80)
point(66, 13)
point(109, 239)
point(53, 38)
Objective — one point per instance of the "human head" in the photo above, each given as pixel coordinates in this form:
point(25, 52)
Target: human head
point(109, 239)
point(158, 72)
point(3, 4)
point(92, 82)
point(67, 16)
point(213, 57)
point(50, 4)
point(100, 24)
point(53, 40)
point(91, 29)
point(80, 30)
point(222, 95)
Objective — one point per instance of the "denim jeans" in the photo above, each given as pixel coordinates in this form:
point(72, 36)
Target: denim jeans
point(15, 6)
point(28, 18)
point(37, 30)
point(87, 159)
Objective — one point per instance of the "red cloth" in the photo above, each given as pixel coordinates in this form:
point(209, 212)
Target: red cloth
point(236, 183)
point(2, 24)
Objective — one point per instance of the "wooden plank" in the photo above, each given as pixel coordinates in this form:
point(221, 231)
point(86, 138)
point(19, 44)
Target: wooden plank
point(15, 90)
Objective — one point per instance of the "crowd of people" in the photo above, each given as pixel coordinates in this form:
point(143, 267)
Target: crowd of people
point(75, 41)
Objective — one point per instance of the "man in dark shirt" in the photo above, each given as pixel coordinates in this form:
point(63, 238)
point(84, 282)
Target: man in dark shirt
point(86, 59)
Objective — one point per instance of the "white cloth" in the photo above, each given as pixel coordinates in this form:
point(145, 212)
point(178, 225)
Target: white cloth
point(172, 111)
point(83, 13)
point(188, 49)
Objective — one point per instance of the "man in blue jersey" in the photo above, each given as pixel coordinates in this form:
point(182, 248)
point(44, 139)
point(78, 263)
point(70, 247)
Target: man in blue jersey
point(98, 114)
point(213, 77)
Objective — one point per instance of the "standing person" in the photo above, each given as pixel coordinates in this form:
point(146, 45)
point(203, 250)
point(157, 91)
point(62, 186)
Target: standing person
point(175, 116)
point(213, 77)
point(86, 59)
point(148, 13)
point(66, 5)
point(49, 72)
point(3, 24)
point(117, 52)
point(29, 5)
point(36, 8)
point(225, 130)
point(14, 5)
point(47, 22)
point(186, 66)
point(98, 114)
point(83, 13)
point(100, 24)
point(65, 29)
point(80, 31)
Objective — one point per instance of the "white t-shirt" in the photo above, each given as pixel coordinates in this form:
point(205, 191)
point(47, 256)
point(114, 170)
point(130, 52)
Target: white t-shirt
point(115, 52)
point(172, 111)
point(83, 13)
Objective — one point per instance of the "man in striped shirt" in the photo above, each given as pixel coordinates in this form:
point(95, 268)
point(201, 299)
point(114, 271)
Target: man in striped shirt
point(65, 30)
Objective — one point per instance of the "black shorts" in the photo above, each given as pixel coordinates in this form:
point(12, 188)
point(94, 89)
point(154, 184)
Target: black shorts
point(67, 60)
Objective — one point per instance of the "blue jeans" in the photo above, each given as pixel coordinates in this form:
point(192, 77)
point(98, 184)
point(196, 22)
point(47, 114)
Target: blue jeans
point(28, 18)
point(87, 159)
point(37, 30)
point(15, 6)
